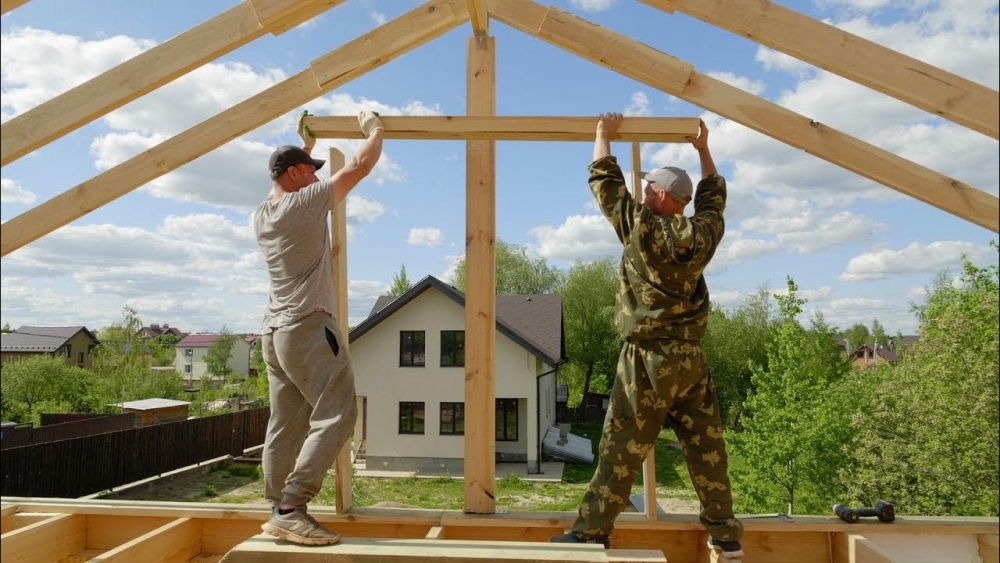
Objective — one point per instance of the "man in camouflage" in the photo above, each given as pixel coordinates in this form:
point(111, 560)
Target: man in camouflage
point(661, 312)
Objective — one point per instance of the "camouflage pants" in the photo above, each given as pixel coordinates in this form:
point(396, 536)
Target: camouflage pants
point(660, 380)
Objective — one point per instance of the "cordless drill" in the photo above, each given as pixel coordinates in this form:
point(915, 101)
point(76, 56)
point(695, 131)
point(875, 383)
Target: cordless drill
point(883, 510)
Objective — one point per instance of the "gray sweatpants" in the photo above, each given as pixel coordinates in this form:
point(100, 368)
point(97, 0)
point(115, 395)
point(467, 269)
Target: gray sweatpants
point(313, 406)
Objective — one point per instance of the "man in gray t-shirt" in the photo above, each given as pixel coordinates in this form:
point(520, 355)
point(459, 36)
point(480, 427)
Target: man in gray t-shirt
point(313, 406)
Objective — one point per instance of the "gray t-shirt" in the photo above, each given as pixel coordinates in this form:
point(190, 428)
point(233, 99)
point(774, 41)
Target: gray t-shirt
point(295, 243)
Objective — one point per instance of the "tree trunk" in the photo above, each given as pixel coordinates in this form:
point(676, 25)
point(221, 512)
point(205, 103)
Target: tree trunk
point(581, 408)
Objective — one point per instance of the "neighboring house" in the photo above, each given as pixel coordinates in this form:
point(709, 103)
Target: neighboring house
point(409, 368)
point(154, 330)
point(71, 342)
point(155, 411)
point(191, 351)
point(869, 355)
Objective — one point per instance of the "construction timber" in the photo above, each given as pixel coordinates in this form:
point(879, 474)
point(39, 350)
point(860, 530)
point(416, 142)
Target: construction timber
point(68, 530)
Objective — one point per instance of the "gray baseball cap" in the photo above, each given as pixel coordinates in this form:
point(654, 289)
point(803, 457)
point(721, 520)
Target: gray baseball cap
point(674, 181)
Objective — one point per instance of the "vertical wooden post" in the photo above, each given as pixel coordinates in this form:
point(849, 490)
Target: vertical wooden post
point(480, 286)
point(338, 251)
point(648, 464)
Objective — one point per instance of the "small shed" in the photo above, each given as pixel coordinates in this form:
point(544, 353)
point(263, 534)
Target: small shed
point(156, 411)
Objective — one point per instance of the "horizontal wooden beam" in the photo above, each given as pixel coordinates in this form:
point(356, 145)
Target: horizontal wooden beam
point(855, 58)
point(263, 549)
point(146, 72)
point(509, 128)
point(593, 43)
point(351, 58)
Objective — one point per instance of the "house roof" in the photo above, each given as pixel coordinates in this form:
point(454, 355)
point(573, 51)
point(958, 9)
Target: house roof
point(154, 330)
point(533, 321)
point(197, 340)
point(40, 339)
point(206, 339)
point(882, 351)
point(150, 404)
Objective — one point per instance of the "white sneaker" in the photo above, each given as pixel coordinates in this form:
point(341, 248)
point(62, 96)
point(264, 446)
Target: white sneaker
point(299, 527)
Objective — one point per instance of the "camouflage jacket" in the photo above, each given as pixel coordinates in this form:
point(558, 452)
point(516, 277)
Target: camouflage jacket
point(661, 289)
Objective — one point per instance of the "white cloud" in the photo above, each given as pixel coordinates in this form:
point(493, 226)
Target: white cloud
point(36, 64)
point(427, 236)
point(361, 297)
point(916, 258)
point(592, 5)
point(12, 192)
point(579, 237)
point(452, 264)
point(638, 106)
point(734, 249)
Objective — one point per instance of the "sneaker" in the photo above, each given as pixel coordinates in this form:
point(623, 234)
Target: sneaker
point(571, 537)
point(299, 527)
point(725, 551)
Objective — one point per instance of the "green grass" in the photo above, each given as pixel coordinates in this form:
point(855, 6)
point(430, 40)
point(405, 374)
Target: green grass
point(236, 483)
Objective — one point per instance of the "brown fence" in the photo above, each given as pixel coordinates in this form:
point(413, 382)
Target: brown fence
point(89, 464)
point(19, 437)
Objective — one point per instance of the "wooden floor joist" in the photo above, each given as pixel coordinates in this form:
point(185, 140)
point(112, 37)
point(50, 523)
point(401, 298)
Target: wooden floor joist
point(38, 529)
point(508, 128)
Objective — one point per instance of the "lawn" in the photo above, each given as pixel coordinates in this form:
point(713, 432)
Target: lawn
point(238, 483)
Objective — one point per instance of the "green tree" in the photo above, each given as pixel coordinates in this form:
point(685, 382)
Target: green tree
point(517, 272)
point(122, 362)
point(163, 349)
point(400, 283)
point(733, 342)
point(790, 445)
point(857, 335)
point(43, 383)
point(219, 353)
point(6, 328)
point(929, 436)
point(592, 341)
point(879, 336)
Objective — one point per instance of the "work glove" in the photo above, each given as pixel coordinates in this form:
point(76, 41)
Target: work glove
point(369, 122)
point(308, 140)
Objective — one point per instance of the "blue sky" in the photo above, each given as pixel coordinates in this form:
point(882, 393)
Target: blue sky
point(181, 251)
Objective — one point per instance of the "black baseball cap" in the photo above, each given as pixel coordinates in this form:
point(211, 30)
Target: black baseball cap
point(286, 156)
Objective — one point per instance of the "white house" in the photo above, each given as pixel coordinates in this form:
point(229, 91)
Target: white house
point(409, 358)
point(192, 350)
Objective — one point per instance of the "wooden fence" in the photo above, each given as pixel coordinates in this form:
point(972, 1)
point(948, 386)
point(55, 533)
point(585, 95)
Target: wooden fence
point(19, 437)
point(89, 464)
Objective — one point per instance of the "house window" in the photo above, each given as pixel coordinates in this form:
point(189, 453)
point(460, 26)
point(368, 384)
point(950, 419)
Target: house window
point(411, 348)
point(453, 418)
point(79, 358)
point(411, 418)
point(68, 350)
point(506, 420)
point(187, 368)
point(452, 348)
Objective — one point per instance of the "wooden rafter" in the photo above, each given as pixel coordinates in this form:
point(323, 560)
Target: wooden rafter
point(368, 51)
point(148, 71)
point(8, 5)
point(479, 17)
point(605, 47)
point(855, 58)
point(508, 128)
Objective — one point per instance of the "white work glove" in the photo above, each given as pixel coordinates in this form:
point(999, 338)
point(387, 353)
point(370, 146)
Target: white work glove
point(308, 140)
point(369, 122)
